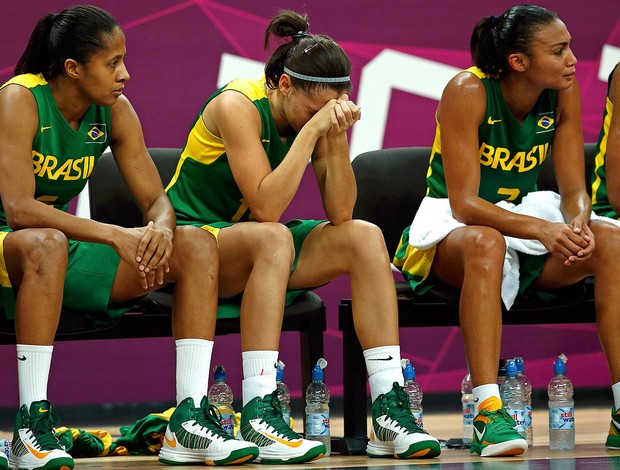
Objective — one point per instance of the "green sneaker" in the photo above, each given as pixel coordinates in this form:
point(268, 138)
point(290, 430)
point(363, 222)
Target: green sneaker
point(4, 462)
point(395, 431)
point(262, 423)
point(494, 435)
point(613, 438)
point(195, 435)
point(35, 445)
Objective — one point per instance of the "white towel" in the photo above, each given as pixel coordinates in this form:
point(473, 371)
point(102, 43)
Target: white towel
point(434, 221)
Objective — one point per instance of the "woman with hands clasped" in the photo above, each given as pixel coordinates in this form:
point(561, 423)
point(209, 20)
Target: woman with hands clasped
point(496, 124)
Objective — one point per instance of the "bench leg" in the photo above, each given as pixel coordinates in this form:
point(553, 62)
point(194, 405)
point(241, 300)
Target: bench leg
point(354, 383)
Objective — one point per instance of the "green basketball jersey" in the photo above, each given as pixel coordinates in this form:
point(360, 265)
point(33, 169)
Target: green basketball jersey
point(62, 158)
point(600, 200)
point(511, 153)
point(203, 188)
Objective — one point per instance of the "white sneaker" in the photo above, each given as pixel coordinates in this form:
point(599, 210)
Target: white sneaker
point(195, 435)
point(34, 440)
point(262, 424)
point(395, 431)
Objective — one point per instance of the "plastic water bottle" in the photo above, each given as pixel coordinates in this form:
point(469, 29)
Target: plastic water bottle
point(513, 397)
point(561, 408)
point(469, 408)
point(317, 407)
point(5, 446)
point(501, 372)
point(415, 393)
point(283, 393)
point(221, 395)
point(527, 387)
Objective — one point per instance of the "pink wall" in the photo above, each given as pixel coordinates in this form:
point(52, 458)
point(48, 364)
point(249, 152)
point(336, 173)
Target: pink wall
point(175, 52)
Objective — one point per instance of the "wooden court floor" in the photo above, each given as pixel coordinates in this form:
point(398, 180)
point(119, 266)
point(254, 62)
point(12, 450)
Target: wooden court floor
point(589, 453)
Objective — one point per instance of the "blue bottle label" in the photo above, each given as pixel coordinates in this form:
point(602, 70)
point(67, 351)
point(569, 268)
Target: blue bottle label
point(228, 423)
point(528, 416)
point(417, 415)
point(317, 424)
point(287, 418)
point(468, 414)
point(562, 418)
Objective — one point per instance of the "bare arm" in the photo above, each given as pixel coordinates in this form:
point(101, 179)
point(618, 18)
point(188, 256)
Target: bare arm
point(332, 165)
point(18, 126)
point(267, 192)
point(144, 182)
point(461, 111)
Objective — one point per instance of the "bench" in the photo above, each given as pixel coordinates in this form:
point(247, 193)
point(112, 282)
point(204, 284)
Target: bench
point(391, 185)
point(111, 202)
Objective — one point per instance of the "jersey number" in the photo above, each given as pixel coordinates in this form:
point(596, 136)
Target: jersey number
point(512, 193)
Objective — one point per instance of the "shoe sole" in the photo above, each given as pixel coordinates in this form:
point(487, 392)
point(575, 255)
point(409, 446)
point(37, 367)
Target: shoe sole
point(420, 450)
point(234, 458)
point(54, 464)
point(312, 454)
point(502, 449)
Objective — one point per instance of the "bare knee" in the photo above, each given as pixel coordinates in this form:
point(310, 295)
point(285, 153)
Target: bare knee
point(41, 252)
point(484, 249)
point(194, 247)
point(363, 241)
point(272, 243)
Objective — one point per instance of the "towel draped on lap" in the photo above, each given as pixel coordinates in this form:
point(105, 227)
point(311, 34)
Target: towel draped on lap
point(434, 221)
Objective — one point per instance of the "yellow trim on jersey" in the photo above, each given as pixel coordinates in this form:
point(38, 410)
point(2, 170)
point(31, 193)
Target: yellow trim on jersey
point(599, 159)
point(202, 145)
point(416, 262)
point(212, 230)
point(435, 149)
point(4, 274)
point(477, 72)
point(27, 80)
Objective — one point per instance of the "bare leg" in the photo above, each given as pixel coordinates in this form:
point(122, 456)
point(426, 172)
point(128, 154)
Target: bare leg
point(605, 267)
point(356, 248)
point(471, 258)
point(193, 268)
point(36, 260)
point(256, 259)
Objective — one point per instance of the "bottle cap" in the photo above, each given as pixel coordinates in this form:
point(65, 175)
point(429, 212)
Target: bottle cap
point(559, 366)
point(511, 368)
point(520, 364)
point(409, 372)
point(220, 374)
point(317, 373)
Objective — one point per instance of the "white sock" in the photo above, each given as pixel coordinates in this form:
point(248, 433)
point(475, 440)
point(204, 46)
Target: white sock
point(33, 369)
point(483, 392)
point(615, 388)
point(259, 374)
point(193, 363)
point(383, 366)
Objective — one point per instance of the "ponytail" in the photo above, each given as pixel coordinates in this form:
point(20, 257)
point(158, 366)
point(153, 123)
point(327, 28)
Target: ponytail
point(311, 60)
point(36, 57)
point(496, 37)
point(76, 33)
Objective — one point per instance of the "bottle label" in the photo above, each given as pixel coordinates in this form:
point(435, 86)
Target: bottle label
point(528, 416)
point(287, 418)
point(562, 418)
point(317, 424)
point(519, 416)
point(228, 423)
point(468, 414)
point(417, 415)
